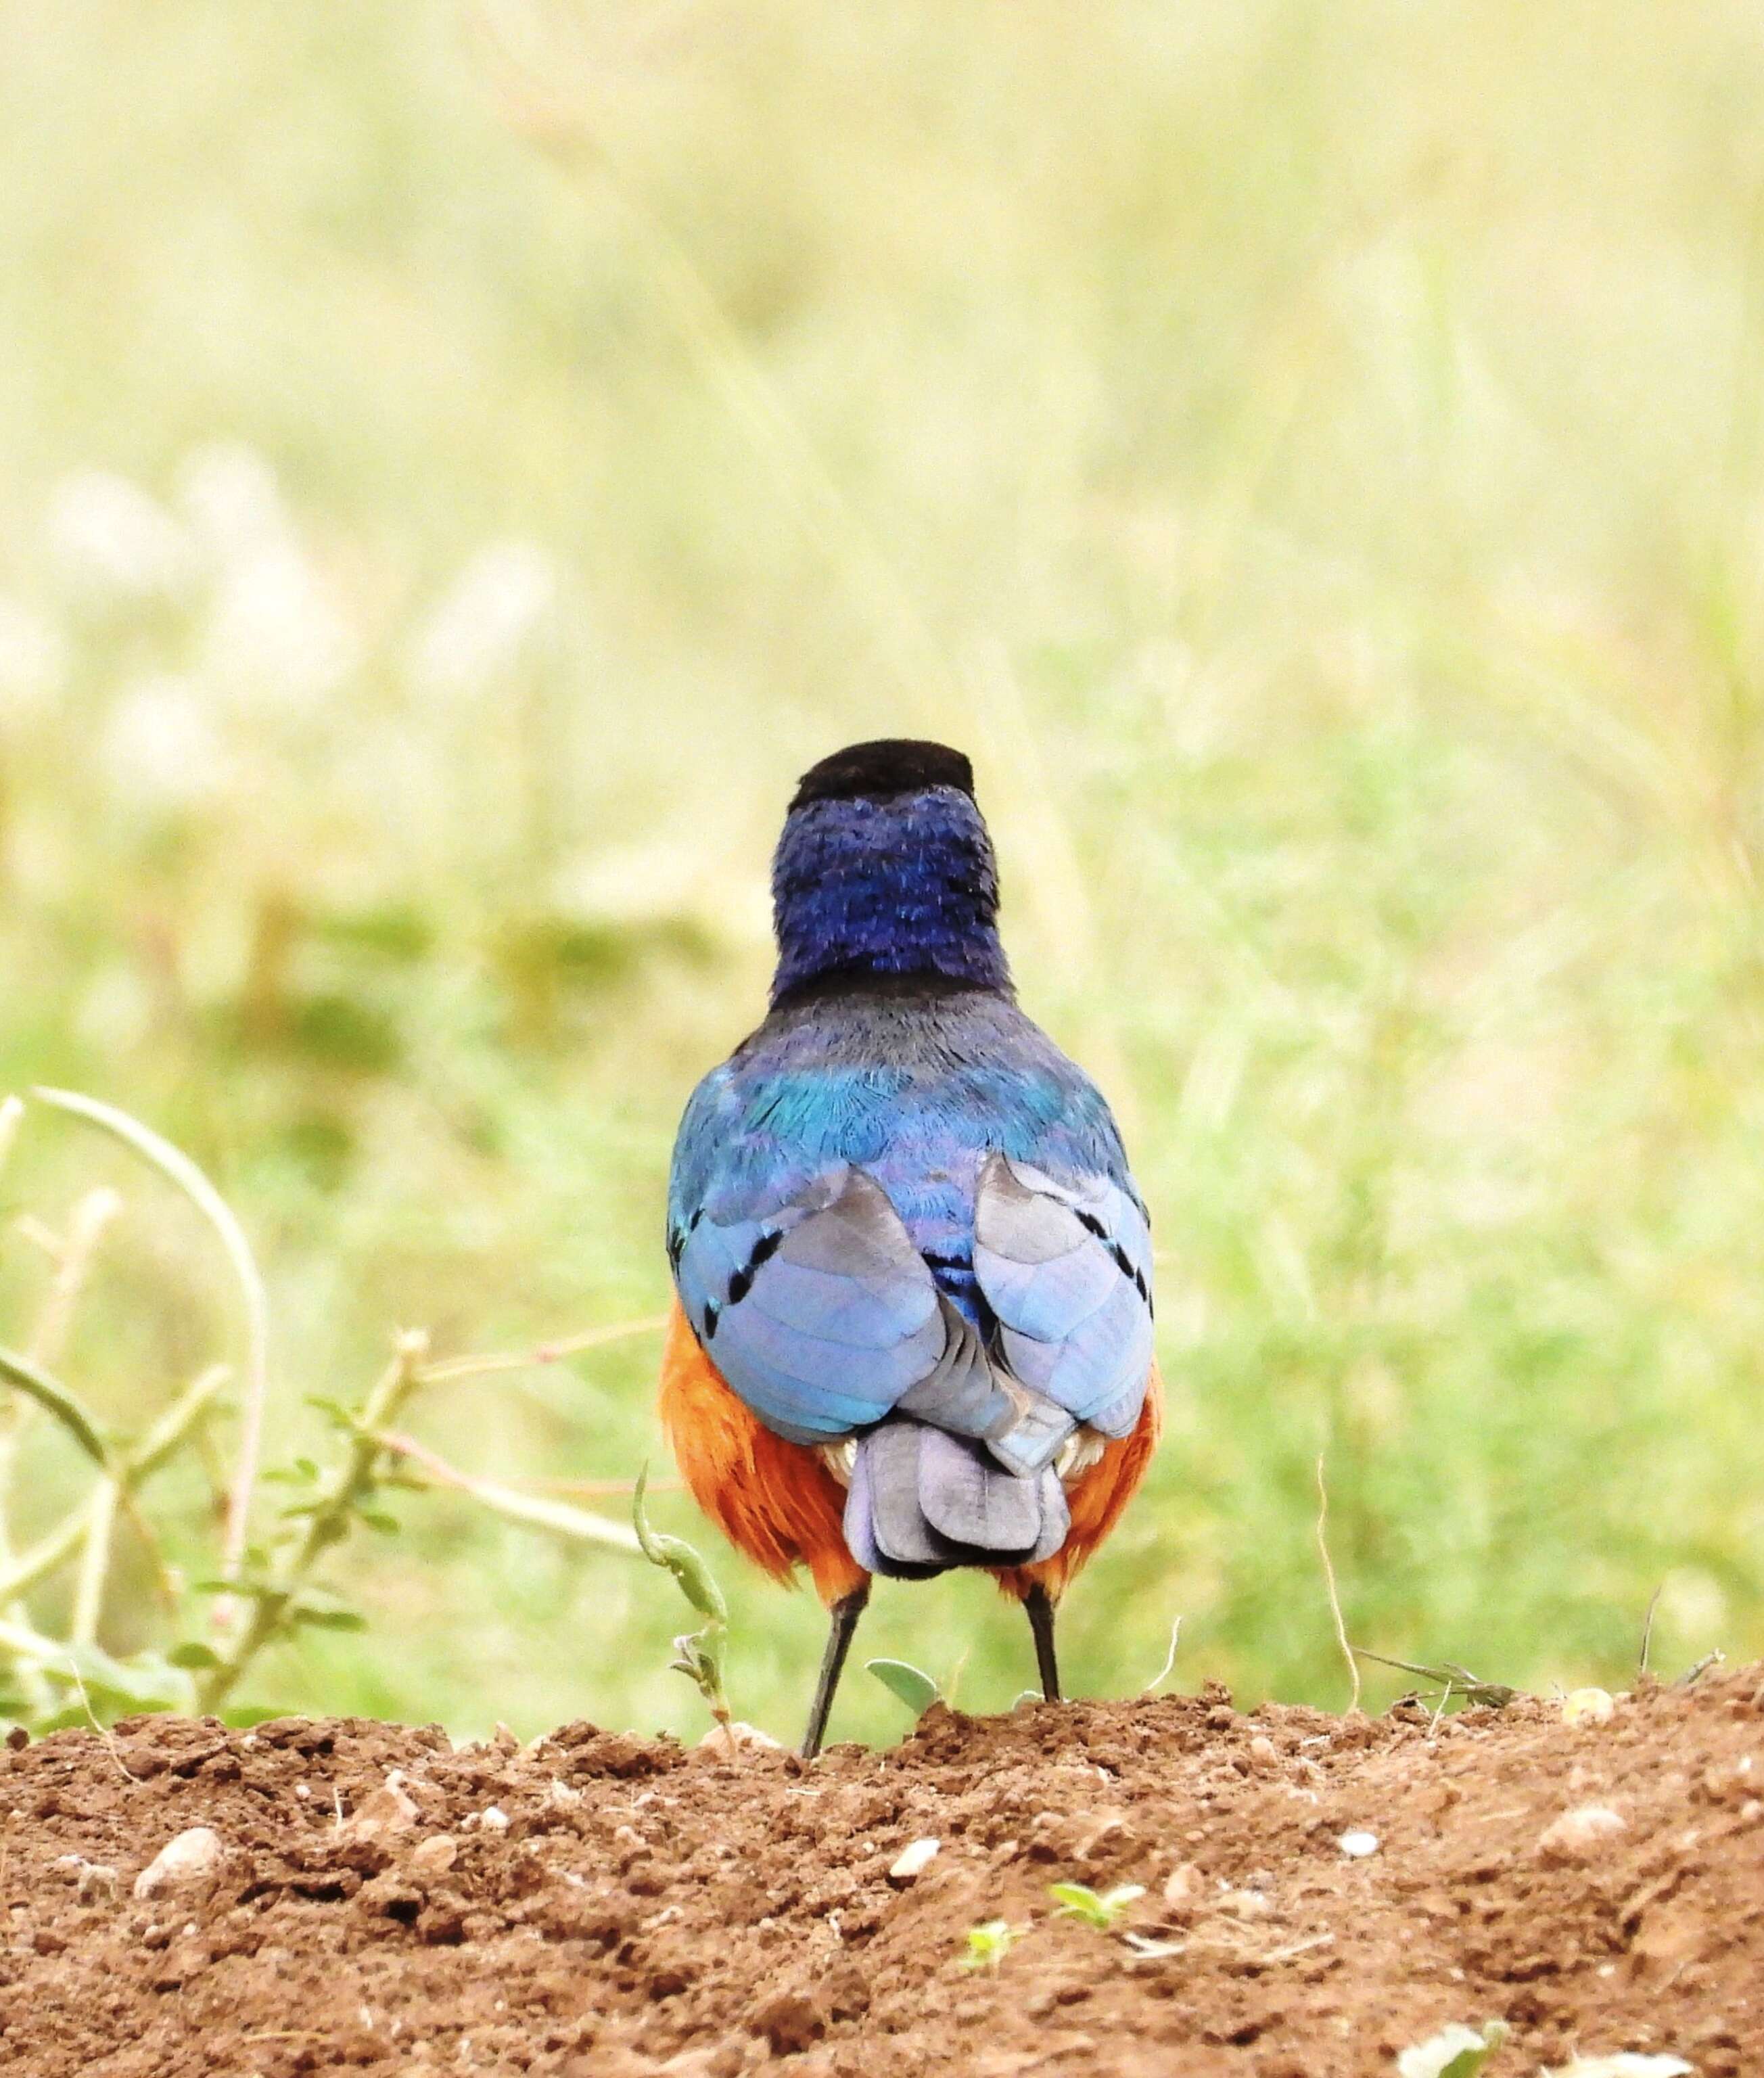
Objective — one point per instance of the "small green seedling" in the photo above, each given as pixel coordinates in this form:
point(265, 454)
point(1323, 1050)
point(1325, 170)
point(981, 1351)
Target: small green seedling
point(988, 1944)
point(700, 1654)
point(1079, 1901)
point(1454, 2052)
point(906, 1683)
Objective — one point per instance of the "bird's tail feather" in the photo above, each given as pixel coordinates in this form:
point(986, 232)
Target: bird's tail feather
point(922, 1500)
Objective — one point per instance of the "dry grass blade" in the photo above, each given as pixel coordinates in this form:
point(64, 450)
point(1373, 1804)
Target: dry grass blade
point(1647, 1630)
point(1334, 1598)
point(1447, 1676)
point(1163, 1673)
point(179, 1170)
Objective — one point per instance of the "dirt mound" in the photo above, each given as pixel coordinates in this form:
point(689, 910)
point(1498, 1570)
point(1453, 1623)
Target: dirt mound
point(1318, 1893)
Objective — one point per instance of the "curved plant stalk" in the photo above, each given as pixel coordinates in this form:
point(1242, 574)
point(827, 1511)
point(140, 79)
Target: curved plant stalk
point(179, 1170)
point(51, 1395)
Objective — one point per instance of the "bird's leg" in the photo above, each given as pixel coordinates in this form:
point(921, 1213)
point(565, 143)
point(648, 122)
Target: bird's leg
point(844, 1612)
point(1040, 1604)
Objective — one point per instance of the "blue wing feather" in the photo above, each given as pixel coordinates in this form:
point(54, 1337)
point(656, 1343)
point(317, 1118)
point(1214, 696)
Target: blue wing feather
point(821, 1312)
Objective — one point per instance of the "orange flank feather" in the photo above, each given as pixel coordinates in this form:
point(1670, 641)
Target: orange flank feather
point(779, 1505)
point(776, 1502)
point(1096, 1499)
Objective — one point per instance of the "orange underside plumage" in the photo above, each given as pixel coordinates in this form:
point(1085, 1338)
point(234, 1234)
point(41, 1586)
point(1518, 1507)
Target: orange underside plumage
point(777, 1503)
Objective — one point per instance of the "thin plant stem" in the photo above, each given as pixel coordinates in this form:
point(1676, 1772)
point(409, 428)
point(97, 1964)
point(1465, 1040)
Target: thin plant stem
point(545, 1353)
point(94, 1561)
point(534, 1508)
point(55, 1398)
point(72, 1258)
point(178, 1169)
point(272, 1605)
point(85, 1230)
point(134, 1464)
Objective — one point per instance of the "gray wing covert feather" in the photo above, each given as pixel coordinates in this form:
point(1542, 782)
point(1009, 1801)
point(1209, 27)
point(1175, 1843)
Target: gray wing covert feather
point(1068, 1273)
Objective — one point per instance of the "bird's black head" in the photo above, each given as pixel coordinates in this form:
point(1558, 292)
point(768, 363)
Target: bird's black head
point(878, 771)
point(885, 869)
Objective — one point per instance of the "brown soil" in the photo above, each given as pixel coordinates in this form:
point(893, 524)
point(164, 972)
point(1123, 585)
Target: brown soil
point(602, 1905)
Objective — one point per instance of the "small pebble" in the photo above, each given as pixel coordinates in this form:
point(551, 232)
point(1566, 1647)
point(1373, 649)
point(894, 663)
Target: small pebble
point(440, 1851)
point(1184, 1888)
point(734, 1737)
point(493, 1818)
point(192, 1857)
point(1263, 1753)
point(387, 1810)
point(1358, 1846)
point(92, 1879)
point(913, 1860)
point(1587, 1706)
point(1581, 1834)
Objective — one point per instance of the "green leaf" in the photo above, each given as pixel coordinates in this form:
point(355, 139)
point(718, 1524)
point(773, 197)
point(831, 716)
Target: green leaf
point(193, 1653)
point(377, 1518)
point(1455, 2051)
point(906, 1682)
point(329, 1619)
point(697, 1583)
point(146, 1682)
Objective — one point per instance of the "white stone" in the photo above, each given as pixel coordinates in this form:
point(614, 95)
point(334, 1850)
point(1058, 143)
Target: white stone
point(1580, 1834)
point(913, 1860)
point(193, 1857)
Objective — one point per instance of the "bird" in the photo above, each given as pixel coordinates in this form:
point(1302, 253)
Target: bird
point(912, 1321)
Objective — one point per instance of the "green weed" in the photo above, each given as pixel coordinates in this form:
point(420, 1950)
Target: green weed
point(1103, 1910)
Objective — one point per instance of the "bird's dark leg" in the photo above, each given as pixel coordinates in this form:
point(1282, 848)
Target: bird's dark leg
point(1039, 1606)
point(845, 1613)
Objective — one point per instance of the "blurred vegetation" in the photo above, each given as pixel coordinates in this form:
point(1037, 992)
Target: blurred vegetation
point(458, 465)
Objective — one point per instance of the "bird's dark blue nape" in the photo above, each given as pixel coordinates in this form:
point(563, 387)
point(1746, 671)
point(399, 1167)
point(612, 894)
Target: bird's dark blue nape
point(885, 869)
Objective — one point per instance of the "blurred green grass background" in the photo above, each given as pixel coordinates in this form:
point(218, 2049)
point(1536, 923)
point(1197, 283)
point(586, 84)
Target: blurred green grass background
point(458, 465)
